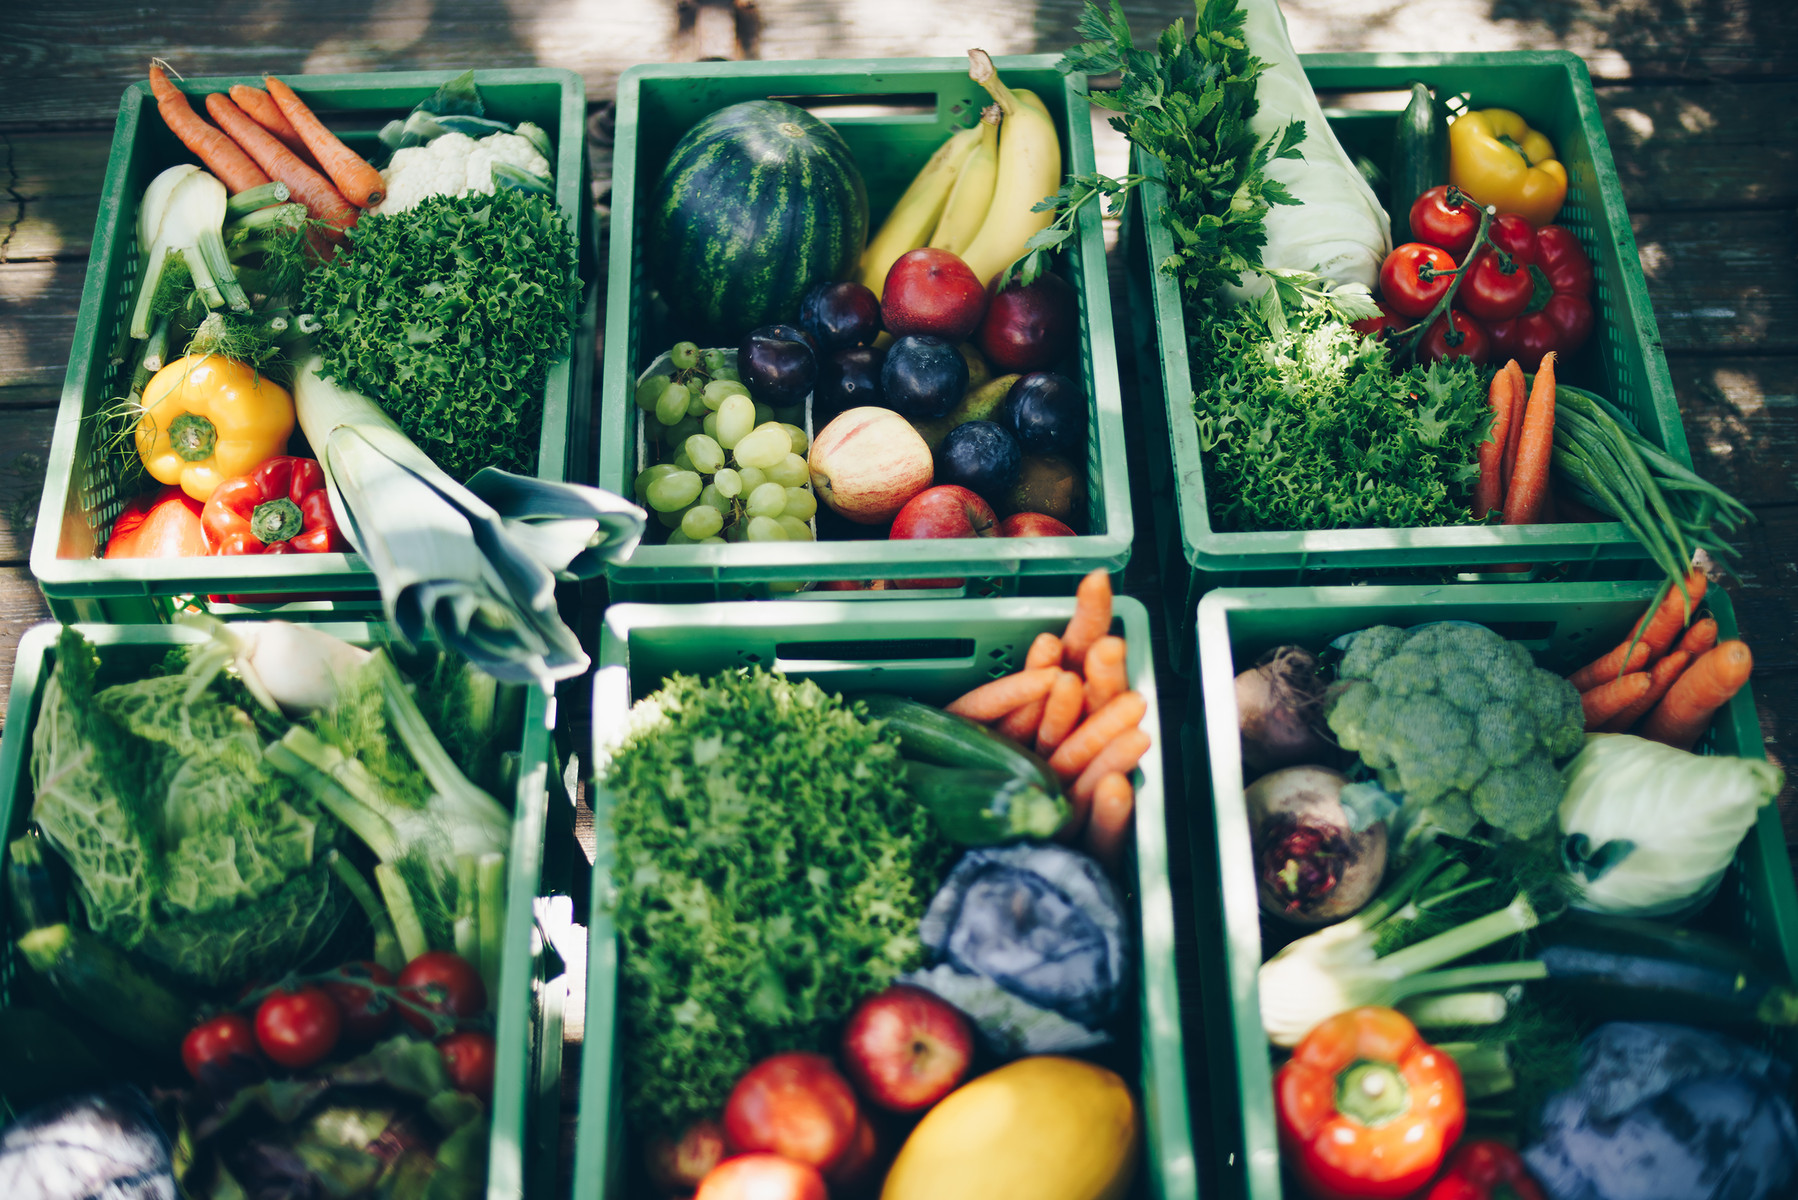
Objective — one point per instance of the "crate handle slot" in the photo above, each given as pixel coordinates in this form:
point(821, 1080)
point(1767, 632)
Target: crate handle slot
point(859, 653)
point(881, 107)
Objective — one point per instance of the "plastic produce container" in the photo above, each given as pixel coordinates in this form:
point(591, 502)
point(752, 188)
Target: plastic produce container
point(81, 497)
point(893, 113)
point(1565, 626)
point(933, 651)
point(1622, 360)
point(528, 1024)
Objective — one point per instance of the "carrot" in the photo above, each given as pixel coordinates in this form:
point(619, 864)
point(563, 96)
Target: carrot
point(1105, 673)
point(1020, 724)
point(1083, 745)
point(990, 701)
point(1605, 701)
point(1121, 754)
point(1519, 393)
point(267, 113)
point(308, 186)
point(1658, 630)
point(1659, 680)
point(1108, 825)
point(1091, 620)
point(1529, 480)
point(1067, 700)
point(222, 156)
point(360, 183)
point(1701, 637)
point(1685, 712)
point(1488, 493)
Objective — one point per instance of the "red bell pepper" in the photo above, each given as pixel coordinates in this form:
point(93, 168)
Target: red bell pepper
point(165, 524)
point(279, 508)
point(1485, 1171)
point(1559, 316)
point(1366, 1108)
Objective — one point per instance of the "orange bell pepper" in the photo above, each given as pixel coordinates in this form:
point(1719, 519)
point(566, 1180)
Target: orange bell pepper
point(163, 525)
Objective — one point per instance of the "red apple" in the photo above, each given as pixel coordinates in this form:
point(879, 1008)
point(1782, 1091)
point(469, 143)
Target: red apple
point(678, 1166)
point(762, 1177)
point(843, 585)
point(907, 1048)
point(932, 291)
point(855, 1165)
point(795, 1105)
point(945, 511)
point(1029, 524)
point(1029, 328)
point(868, 462)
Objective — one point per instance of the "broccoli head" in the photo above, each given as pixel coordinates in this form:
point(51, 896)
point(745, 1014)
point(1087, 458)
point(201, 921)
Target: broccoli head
point(1454, 719)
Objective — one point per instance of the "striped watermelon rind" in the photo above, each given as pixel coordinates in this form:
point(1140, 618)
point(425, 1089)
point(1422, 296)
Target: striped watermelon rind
point(758, 202)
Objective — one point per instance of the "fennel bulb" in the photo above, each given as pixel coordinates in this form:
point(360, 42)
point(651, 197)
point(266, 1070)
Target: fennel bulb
point(1648, 830)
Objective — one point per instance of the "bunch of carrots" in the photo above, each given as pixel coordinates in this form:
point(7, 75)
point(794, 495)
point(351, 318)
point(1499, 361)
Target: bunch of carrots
point(1514, 461)
point(1073, 705)
point(1670, 675)
point(266, 136)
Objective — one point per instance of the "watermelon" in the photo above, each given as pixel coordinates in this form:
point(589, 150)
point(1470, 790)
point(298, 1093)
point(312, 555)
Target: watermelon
point(758, 202)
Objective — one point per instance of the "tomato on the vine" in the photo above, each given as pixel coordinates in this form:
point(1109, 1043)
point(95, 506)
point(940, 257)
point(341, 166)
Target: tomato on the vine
point(1380, 326)
point(468, 1056)
point(446, 984)
point(1497, 287)
point(1444, 217)
point(225, 1043)
point(1467, 339)
point(297, 1029)
point(1414, 277)
point(366, 1012)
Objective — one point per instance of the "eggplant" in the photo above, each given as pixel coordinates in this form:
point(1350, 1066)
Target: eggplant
point(101, 1144)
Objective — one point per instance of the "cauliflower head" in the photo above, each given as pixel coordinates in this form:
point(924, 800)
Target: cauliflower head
point(453, 164)
point(1455, 720)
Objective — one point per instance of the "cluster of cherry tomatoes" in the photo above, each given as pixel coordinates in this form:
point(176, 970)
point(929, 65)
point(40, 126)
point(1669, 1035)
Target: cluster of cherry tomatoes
point(300, 1026)
point(1524, 294)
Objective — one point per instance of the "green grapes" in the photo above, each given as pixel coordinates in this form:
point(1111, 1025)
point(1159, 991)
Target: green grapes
point(769, 500)
point(671, 493)
point(765, 447)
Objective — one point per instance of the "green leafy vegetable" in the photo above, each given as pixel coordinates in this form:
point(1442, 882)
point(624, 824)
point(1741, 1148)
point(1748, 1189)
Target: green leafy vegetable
point(1310, 427)
point(771, 871)
point(450, 315)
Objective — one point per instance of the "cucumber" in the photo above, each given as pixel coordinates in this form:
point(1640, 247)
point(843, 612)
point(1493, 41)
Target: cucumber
point(930, 735)
point(982, 806)
point(1419, 157)
point(99, 983)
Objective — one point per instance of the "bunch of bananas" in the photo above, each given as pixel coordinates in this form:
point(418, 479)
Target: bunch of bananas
point(975, 195)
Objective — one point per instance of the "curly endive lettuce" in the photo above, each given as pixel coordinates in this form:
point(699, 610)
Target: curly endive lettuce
point(771, 871)
point(184, 847)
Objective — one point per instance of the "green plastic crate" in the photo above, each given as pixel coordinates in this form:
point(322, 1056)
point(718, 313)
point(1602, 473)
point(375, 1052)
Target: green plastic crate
point(80, 502)
point(894, 113)
point(1622, 360)
point(932, 650)
point(528, 1031)
point(1564, 626)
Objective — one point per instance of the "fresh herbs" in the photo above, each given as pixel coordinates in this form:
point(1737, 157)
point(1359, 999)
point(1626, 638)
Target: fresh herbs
point(450, 315)
point(1313, 428)
point(772, 870)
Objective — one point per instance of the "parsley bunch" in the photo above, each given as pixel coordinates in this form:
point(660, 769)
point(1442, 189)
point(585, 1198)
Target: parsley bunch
point(1311, 427)
point(450, 315)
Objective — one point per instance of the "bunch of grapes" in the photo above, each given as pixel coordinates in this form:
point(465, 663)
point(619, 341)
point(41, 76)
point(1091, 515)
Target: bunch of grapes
point(731, 472)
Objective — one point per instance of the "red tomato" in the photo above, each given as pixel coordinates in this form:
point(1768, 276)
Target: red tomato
point(1493, 293)
point(446, 984)
point(297, 1029)
point(1380, 326)
point(795, 1105)
point(219, 1044)
point(761, 1177)
point(367, 1014)
point(1402, 278)
point(1444, 217)
point(1515, 236)
point(468, 1055)
point(1468, 340)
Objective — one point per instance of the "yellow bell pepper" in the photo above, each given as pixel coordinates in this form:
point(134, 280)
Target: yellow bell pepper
point(1495, 158)
point(207, 419)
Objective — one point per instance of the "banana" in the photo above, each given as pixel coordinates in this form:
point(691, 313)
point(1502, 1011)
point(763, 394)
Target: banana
point(1029, 171)
point(916, 214)
point(972, 195)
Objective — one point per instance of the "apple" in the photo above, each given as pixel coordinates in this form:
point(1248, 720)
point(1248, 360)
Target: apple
point(762, 1177)
point(1029, 328)
point(868, 462)
point(794, 1105)
point(945, 511)
point(679, 1166)
point(1029, 524)
point(907, 1048)
point(855, 1165)
point(932, 291)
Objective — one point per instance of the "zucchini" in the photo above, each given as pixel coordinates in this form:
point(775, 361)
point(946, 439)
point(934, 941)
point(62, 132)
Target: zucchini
point(99, 983)
point(1419, 157)
point(928, 734)
point(982, 806)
